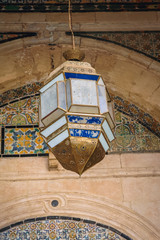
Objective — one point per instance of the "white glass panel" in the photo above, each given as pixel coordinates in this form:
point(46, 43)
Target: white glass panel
point(108, 131)
point(41, 125)
point(111, 110)
point(62, 95)
point(84, 92)
point(52, 128)
point(103, 142)
point(58, 78)
point(58, 139)
point(84, 109)
point(100, 82)
point(102, 99)
point(49, 101)
point(68, 93)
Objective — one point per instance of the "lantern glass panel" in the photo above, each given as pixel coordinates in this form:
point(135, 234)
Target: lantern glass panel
point(60, 77)
point(62, 136)
point(103, 142)
point(49, 101)
point(41, 125)
point(53, 127)
point(107, 131)
point(82, 96)
point(102, 99)
point(111, 110)
point(61, 95)
point(100, 81)
point(109, 120)
point(84, 92)
point(68, 86)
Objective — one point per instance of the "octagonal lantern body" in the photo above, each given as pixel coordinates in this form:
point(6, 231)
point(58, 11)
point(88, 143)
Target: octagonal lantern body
point(76, 116)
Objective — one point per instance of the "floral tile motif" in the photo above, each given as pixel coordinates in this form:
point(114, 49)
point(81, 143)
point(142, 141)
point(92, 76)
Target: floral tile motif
point(23, 112)
point(132, 136)
point(137, 115)
point(23, 141)
point(62, 229)
point(19, 93)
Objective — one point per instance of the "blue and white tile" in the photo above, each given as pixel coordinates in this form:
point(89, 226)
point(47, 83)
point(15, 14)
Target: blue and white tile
point(84, 133)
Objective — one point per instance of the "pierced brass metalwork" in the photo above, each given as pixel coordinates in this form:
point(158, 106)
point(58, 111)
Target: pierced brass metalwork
point(79, 154)
point(74, 55)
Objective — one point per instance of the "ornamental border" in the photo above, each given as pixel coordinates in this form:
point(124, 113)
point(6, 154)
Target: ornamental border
point(65, 218)
point(81, 7)
point(84, 34)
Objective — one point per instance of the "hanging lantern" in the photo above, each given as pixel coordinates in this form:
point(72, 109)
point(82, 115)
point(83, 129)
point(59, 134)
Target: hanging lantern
point(76, 114)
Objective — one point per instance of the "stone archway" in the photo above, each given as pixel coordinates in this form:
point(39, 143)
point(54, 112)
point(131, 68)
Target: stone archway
point(128, 74)
point(78, 205)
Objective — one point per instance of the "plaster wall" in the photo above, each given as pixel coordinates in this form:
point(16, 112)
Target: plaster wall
point(121, 191)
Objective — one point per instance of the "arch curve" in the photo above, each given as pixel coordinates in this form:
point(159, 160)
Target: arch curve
point(83, 206)
point(128, 74)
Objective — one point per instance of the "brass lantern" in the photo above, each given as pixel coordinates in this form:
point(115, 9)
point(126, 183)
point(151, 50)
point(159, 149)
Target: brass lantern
point(76, 115)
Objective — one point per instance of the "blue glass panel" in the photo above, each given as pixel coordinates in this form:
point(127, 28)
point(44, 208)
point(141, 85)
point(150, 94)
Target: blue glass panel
point(87, 120)
point(84, 133)
point(81, 76)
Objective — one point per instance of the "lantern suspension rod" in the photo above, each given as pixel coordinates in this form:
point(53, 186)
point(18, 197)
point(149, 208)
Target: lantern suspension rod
point(70, 24)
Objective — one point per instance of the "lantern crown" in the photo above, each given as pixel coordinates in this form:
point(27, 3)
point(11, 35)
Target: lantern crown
point(76, 116)
point(74, 55)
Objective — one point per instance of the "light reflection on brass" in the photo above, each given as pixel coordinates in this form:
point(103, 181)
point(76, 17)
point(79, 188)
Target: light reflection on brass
point(74, 54)
point(79, 154)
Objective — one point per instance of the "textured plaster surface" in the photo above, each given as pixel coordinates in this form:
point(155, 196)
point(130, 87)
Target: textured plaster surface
point(117, 179)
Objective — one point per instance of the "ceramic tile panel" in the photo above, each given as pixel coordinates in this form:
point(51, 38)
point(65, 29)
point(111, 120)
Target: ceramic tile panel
point(132, 136)
point(61, 229)
point(23, 141)
point(20, 93)
point(137, 115)
point(23, 112)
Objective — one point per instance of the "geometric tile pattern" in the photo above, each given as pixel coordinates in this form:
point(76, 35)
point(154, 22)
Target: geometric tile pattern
point(132, 136)
point(147, 42)
point(23, 112)
point(20, 93)
point(64, 229)
point(78, 5)
point(136, 114)
point(23, 141)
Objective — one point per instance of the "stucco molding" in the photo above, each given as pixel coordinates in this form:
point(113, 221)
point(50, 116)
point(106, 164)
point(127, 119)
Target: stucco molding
point(80, 205)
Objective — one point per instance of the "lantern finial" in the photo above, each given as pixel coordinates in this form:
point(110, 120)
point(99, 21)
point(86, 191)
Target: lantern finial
point(74, 55)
